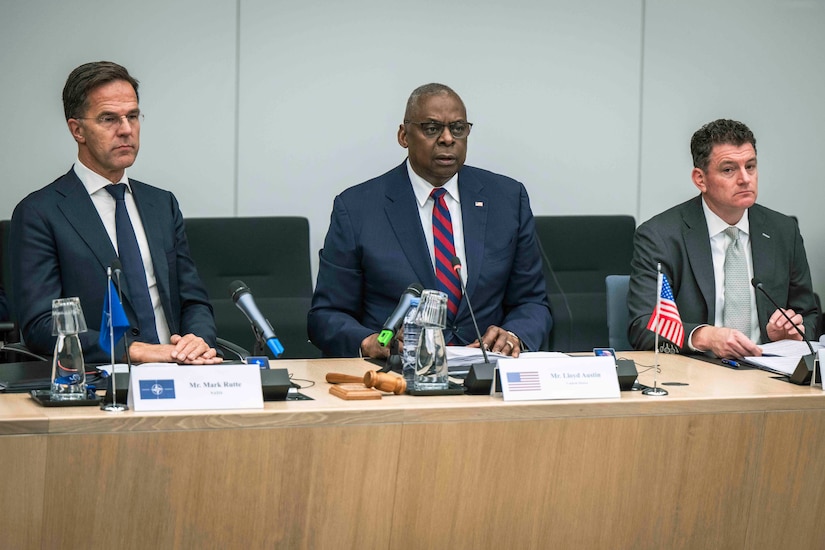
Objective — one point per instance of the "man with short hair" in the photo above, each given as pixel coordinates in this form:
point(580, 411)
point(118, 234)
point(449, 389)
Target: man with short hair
point(712, 246)
point(405, 227)
point(66, 235)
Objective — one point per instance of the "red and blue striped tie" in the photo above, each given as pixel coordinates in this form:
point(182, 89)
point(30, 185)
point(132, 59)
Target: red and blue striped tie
point(444, 247)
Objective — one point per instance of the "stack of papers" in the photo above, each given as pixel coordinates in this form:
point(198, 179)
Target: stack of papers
point(461, 357)
point(783, 356)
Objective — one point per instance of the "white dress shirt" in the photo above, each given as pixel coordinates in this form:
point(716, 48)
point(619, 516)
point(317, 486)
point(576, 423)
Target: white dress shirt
point(719, 242)
point(105, 205)
point(422, 189)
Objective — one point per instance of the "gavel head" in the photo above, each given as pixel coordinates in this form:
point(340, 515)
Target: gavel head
point(385, 382)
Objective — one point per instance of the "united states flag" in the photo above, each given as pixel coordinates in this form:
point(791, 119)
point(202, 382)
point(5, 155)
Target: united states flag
point(665, 319)
point(523, 381)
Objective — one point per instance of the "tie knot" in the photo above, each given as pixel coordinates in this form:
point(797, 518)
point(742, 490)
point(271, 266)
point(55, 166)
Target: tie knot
point(732, 232)
point(117, 190)
point(436, 194)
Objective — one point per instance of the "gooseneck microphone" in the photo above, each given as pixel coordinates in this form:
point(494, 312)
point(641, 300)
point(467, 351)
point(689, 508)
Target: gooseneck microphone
point(807, 365)
point(757, 284)
point(457, 268)
point(242, 297)
point(396, 318)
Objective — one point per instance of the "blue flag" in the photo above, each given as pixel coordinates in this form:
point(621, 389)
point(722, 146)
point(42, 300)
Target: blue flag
point(118, 321)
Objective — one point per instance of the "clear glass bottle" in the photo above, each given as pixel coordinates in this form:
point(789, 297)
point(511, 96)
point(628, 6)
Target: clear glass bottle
point(412, 332)
point(431, 354)
point(68, 367)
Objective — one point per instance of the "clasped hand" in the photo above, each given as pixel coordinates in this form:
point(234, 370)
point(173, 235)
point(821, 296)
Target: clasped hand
point(188, 349)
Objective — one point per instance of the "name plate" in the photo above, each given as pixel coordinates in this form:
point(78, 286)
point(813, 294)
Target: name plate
point(173, 387)
point(558, 378)
point(821, 354)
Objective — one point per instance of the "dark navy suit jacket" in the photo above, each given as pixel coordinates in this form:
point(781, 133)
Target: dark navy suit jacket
point(678, 238)
point(375, 248)
point(60, 248)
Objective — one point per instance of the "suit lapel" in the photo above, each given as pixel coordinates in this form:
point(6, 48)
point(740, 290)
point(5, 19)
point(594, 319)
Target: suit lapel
point(474, 207)
point(80, 212)
point(146, 206)
point(763, 254)
point(697, 245)
point(401, 209)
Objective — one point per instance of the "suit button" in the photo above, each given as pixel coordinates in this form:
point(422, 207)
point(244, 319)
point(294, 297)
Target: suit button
point(135, 332)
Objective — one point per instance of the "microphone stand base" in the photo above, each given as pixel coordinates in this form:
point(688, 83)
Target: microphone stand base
point(114, 407)
point(804, 370)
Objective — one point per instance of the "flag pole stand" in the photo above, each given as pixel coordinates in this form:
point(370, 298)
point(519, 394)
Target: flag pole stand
point(656, 391)
point(114, 406)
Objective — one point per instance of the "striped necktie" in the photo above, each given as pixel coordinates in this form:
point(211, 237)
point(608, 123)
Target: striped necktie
point(129, 252)
point(444, 248)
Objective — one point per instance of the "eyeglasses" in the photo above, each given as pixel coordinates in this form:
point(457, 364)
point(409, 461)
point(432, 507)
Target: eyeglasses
point(110, 121)
point(458, 129)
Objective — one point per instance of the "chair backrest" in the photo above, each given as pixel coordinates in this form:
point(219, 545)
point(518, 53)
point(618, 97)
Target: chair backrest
point(5, 260)
point(579, 252)
point(269, 254)
point(617, 313)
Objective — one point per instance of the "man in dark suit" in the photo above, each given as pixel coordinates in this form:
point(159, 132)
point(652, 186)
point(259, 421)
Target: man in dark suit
point(692, 241)
point(381, 239)
point(64, 236)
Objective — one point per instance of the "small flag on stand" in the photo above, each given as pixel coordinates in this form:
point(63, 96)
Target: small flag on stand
point(118, 320)
point(665, 319)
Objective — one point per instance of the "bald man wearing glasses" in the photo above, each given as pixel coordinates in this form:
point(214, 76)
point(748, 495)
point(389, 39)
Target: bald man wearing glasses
point(406, 226)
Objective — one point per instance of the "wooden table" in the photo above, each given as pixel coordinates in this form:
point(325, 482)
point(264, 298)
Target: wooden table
point(733, 459)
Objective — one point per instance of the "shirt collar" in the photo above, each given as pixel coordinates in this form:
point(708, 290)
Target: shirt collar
point(94, 182)
point(717, 225)
point(422, 188)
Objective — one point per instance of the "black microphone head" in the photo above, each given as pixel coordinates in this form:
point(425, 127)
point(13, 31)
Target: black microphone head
point(415, 289)
point(756, 283)
point(456, 262)
point(116, 265)
point(236, 288)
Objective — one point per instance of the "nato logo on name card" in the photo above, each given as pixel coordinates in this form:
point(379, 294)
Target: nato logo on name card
point(157, 389)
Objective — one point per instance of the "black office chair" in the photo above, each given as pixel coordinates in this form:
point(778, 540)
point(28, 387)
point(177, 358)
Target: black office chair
point(12, 350)
point(269, 254)
point(617, 313)
point(579, 253)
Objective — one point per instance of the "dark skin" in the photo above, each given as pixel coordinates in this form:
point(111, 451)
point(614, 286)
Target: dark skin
point(437, 159)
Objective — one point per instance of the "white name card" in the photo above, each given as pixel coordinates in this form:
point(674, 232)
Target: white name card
point(173, 387)
point(558, 378)
point(821, 354)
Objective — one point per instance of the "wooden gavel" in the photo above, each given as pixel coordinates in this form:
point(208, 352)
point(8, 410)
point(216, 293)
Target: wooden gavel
point(372, 379)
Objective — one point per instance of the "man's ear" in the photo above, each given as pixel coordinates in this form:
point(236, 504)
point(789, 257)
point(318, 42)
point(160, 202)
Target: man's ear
point(77, 130)
point(698, 177)
point(402, 136)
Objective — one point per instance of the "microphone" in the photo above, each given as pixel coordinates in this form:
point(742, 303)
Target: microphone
point(457, 268)
point(807, 364)
point(242, 297)
point(481, 377)
point(393, 322)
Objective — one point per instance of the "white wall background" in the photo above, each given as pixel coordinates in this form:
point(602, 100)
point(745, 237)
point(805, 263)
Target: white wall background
point(267, 107)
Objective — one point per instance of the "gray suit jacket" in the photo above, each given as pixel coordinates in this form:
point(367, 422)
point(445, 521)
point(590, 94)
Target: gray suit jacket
point(678, 238)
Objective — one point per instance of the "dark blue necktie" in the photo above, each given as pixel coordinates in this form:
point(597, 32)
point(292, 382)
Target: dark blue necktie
point(129, 252)
point(444, 247)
